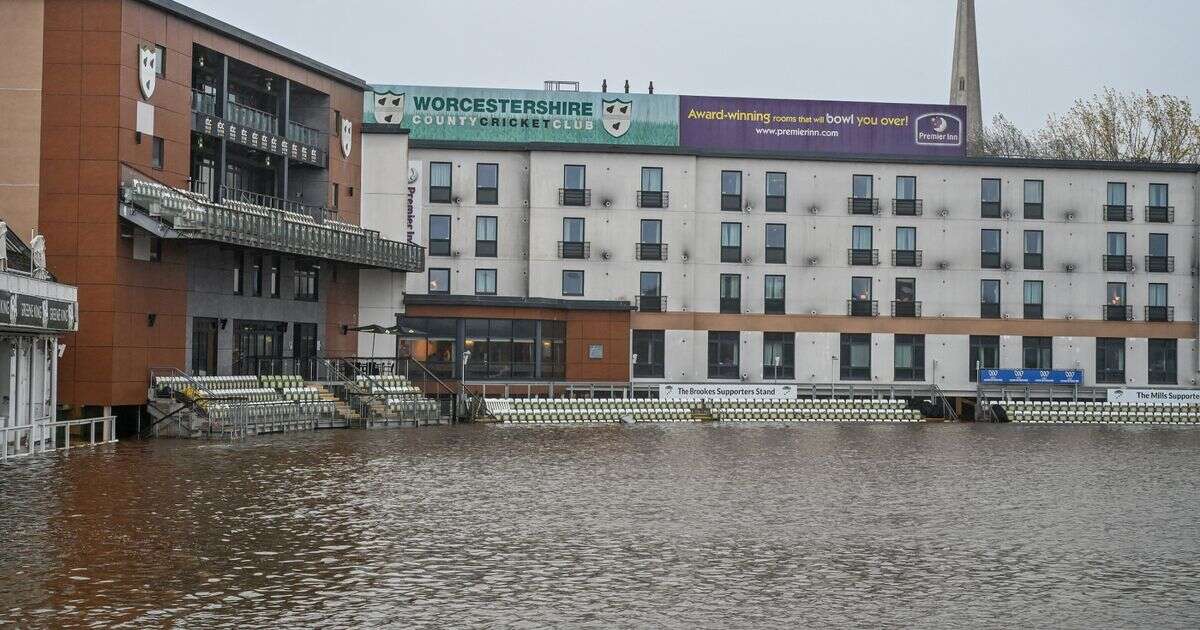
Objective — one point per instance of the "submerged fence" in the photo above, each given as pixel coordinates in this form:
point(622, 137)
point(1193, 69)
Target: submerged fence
point(44, 437)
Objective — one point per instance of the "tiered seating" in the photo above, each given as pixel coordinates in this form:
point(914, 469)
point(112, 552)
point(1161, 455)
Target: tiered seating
point(589, 410)
point(212, 383)
point(306, 393)
point(388, 384)
point(400, 395)
point(814, 410)
point(1084, 412)
point(281, 381)
point(224, 397)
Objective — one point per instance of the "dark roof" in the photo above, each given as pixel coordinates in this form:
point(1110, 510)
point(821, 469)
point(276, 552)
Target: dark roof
point(233, 32)
point(384, 128)
point(505, 301)
point(19, 255)
point(1159, 167)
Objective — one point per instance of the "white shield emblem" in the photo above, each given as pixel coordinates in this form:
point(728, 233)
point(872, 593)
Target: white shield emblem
point(347, 137)
point(617, 116)
point(389, 108)
point(147, 69)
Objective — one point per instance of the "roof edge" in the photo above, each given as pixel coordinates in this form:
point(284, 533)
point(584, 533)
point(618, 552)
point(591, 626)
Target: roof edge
point(506, 301)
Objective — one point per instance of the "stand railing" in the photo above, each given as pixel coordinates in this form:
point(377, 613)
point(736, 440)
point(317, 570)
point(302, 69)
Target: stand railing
point(43, 437)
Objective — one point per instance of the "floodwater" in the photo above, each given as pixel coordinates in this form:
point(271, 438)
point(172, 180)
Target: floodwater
point(678, 526)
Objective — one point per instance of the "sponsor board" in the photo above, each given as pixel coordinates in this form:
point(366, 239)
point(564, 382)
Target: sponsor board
point(255, 139)
point(412, 219)
point(720, 391)
point(30, 311)
point(1155, 396)
point(1056, 377)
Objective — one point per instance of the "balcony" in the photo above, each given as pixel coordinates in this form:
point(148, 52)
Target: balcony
point(731, 305)
point(439, 194)
point(731, 254)
point(776, 203)
point(204, 102)
point(862, 205)
point(862, 308)
point(1117, 213)
point(989, 310)
point(246, 116)
point(653, 199)
point(907, 258)
point(906, 308)
point(485, 249)
point(1160, 313)
point(439, 247)
point(774, 372)
point(862, 256)
point(175, 213)
point(1115, 262)
point(650, 251)
point(989, 209)
point(773, 306)
point(908, 207)
point(1116, 312)
point(652, 303)
point(305, 135)
point(731, 202)
point(1160, 264)
point(1034, 210)
point(237, 195)
point(1160, 214)
point(989, 260)
point(776, 255)
point(574, 196)
point(1033, 311)
point(579, 250)
point(1034, 261)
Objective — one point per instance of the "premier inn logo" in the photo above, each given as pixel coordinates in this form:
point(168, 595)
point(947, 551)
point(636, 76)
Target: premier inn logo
point(617, 116)
point(389, 107)
point(939, 130)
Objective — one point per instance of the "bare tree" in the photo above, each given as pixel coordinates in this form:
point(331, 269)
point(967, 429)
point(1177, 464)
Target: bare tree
point(1004, 139)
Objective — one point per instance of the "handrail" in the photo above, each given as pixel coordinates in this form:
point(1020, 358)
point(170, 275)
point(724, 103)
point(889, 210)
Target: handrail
point(430, 374)
point(938, 395)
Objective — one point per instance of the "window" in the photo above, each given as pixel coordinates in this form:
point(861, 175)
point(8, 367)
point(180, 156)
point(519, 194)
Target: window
point(439, 235)
point(731, 242)
point(1158, 245)
point(731, 293)
point(1116, 260)
point(723, 354)
point(1034, 240)
point(439, 280)
point(779, 355)
point(487, 184)
point(650, 291)
point(1110, 360)
point(1116, 194)
point(572, 282)
point(989, 195)
point(776, 237)
point(906, 298)
point(256, 275)
point(1034, 206)
point(731, 190)
point(773, 294)
point(862, 243)
point(984, 352)
point(906, 187)
point(485, 282)
point(776, 192)
point(439, 182)
point(1116, 243)
point(862, 186)
point(1159, 196)
point(1033, 299)
point(239, 267)
point(1158, 209)
point(861, 303)
point(573, 245)
point(989, 249)
point(856, 357)
point(1037, 353)
point(574, 192)
point(485, 237)
point(649, 354)
point(906, 248)
point(1116, 308)
point(650, 245)
point(335, 195)
point(1162, 357)
point(156, 152)
point(308, 277)
point(989, 299)
point(651, 193)
point(274, 279)
point(909, 358)
point(1157, 308)
point(1158, 294)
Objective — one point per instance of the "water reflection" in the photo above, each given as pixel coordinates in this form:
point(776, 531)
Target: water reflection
point(645, 526)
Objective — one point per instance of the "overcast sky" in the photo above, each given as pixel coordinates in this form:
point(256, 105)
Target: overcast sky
point(1035, 56)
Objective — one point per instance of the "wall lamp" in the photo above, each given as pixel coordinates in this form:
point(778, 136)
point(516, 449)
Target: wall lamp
point(150, 319)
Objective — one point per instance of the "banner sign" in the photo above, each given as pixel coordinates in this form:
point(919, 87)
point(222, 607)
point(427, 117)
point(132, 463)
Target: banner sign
point(1155, 396)
point(1018, 376)
point(720, 391)
point(30, 311)
point(255, 139)
point(761, 124)
point(412, 214)
point(525, 116)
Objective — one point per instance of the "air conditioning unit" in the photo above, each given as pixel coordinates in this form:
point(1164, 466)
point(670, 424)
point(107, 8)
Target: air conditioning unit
point(813, 312)
point(813, 209)
point(1004, 316)
point(1069, 216)
point(605, 255)
point(525, 203)
point(1007, 266)
point(745, 376)
point(1007, 214)
point(944, 212)
point(747, 260)
point(683, 256)
point(813, 260)
point(607, 203)
point(749, 207)
point(457, 200)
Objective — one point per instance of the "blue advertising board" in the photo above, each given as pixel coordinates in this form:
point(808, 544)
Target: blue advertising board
point(1019, 376)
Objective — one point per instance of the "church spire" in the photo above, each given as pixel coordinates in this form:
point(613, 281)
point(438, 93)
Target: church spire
point(964, 73)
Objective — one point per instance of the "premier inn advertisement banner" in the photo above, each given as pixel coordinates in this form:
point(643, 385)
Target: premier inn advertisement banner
point(526, 116)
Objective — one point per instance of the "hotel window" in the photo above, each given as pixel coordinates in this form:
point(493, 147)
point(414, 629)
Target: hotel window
point(909, 358)
point(239, 266)
point(776, 192)
point(650, 297)
point(256, 275)
point(906, 298)
point(989, 299)
point(1116, 194)
point(573, 245)
point(731, 190)
point(439, 280)
point(1037, 353)
point(989, 249)
point(724, 350)
point(1158, 208)
point(862, 245)
point(160, 61)
point(574, 190)
point(1033, 299)
point(906, 248)
point(1116, 308)
point(905, 202)
point(156, 152)
point(485, 237)
point(731, 242)
point(651, 193)
point(650, 245)
point(439, 235)
point(1110, 360)
point(275, 276)
point(1159, 196)
point(779, 355)
point(649, 350)
point(1157, 307)
point(731, 293)
point(1034, 245)
point(862, 195)
point(774, 287)
point(1034, 206)
point(776, 239)
point(1162, 357)
point(1158, 261)
point(861, 302)
point(1115, 259)
point(439, 182)
point(983, 352)
point(989, 197)
point(856, 357)
point(308, 277)
point(485, 282)
point(487, 184)
point(572, 282)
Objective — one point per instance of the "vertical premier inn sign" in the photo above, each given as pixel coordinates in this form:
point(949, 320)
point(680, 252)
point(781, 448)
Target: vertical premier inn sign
point(703, 123)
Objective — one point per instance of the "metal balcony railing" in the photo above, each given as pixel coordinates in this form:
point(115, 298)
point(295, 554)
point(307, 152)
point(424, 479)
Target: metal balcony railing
point(776, 203)
point(731, 254)
point(907, 257)
point(989, 310)
point(304, 134)
point(1116, 312)
point(652, 303)
point(862, 308)
point(731, 305)
point(247, 116)
point(862, 205)
point(1033, 261)
point(1160, 214)
point(1117, 213)
point(485, 249)
point(989, 209)
point(204, 102)
point(906, 308)
point(653, 199)
point(1160, 264)
point(1160, 313)
point(650, 251)
point(1034, 210)
point(229, 193)
point(184, 214)
point(731, 201)
point(773, 306)
point(862, 256)
point(1033, 311)
point(574, 249)
point(574, 196)
point(989, 260)
point(908, 207)
point(1116, 262)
